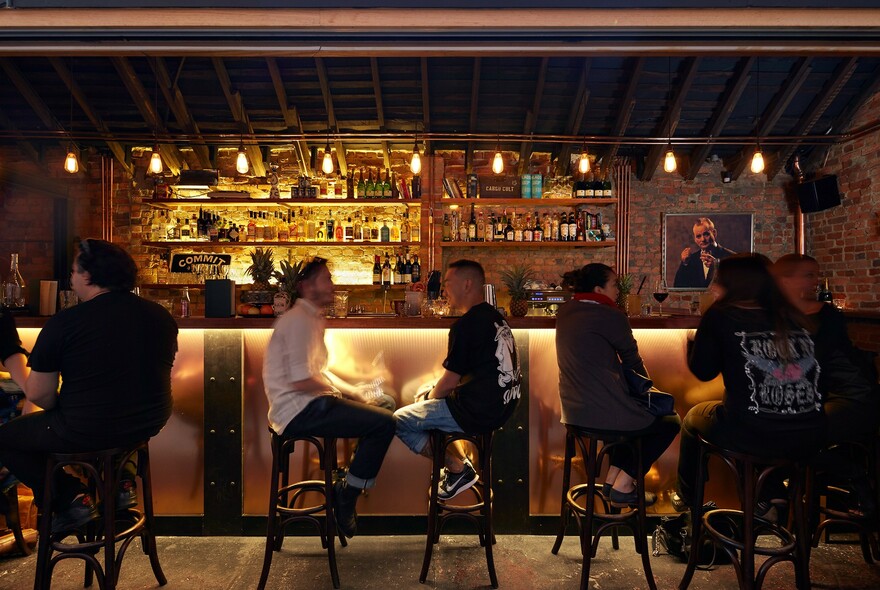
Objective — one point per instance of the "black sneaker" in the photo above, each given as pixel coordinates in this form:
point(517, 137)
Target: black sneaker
point(344, 503)
point(126, 495)
point(80, 512)
point(452, 484)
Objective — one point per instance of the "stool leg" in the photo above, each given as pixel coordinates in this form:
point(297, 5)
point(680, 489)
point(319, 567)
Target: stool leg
point(696, 522)
point(747, 557)
point(564, 510)
point(433, 516)
point(801, 530)
point(329, 517)
point(13, 519)
point(486, 509)
point(149, 531)
point(273, 518)
point(642, 520)
point(587, 547)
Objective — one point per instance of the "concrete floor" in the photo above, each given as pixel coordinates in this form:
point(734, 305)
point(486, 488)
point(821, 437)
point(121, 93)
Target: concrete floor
point(394, 562)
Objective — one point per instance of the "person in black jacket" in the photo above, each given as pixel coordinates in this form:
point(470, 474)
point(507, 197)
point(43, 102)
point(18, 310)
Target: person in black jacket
point(697, 268)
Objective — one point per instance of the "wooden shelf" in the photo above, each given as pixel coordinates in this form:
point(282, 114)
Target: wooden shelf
point(579, 244)
point(279, 203)
point(528, 202)
point(204, 245)
point(337, 287)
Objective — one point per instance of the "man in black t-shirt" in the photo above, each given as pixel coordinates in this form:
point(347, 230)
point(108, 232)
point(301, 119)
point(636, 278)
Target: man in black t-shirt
point(113, 353)
point(480, 386)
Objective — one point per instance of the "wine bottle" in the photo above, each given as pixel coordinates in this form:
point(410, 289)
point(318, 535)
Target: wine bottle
point(377, 271)
point(360, 191)
point(825, 293)
point(386, 186)
point(387, 274)
point(370, 187)
point(416, 269)
point(472, 226)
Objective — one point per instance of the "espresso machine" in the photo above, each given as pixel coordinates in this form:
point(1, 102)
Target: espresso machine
point(546, 302)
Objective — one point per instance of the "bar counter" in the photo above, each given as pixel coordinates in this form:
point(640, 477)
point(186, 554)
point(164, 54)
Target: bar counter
point(211, 462)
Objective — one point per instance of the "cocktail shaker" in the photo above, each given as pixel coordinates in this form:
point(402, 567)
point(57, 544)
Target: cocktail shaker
point(489, 294)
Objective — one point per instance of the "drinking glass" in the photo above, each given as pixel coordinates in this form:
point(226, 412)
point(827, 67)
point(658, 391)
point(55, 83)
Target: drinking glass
point(660, 295)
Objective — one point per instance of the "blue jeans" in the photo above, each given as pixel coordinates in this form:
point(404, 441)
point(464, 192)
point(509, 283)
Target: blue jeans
point(415, 420)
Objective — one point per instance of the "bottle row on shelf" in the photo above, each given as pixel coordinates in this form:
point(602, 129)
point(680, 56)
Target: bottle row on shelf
point(286, 226)
point(525, 227)
point(403, 271)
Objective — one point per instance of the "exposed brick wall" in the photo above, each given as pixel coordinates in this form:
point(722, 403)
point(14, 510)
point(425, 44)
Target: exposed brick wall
point(846, 239)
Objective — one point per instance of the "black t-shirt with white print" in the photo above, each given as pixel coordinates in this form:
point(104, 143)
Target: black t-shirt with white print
point(482, 350)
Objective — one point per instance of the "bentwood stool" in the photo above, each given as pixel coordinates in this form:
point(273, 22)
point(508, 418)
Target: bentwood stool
point(478, 512)
point(13, 520)
point(104, 470)
point(833, 514)
point(286, 500)
point(610, 519)
point(737, 531)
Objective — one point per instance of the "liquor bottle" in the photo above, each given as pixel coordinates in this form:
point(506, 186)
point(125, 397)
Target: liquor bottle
point(607, 190)
point(185, 233)
point(395, 193)
point(283, 227)
point(234, 234)
point(386, 186)
point(370, 190)
point(407, 270)
point(416, 269)
point(349, 186)
point(157, 231)
point(339, 228)
point(563, 228)
point(358, 230)
point(348, 231)
point(415, 231)
point(319, 232)
point(537, 231)
point(509, 231)
point(398, 271)
point(251, 227)
point(184, 303)
point(261, 228)
point(416, 191)
point(462, 231)
point(175, 231)
point(580, 188)
point(405, 228)
point(572, 227)
point(825, 293)
point(528, 234)
point(292, 227)
point(489, 229)
point(394, 230)
point(517, 227)
point(447, 229)
point(598, 187)
point(15, 294)
point(329, 225)
point(375, 230)
point(500, 224)
point(589, 191)
point(361, 190)
point(222, 230)
point(387, 274)
point(481, 227)
point(472, 226)
point(311, 228)
point(385, 232)
point(377, 271)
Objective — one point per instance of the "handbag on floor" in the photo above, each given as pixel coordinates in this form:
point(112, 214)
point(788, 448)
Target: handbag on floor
point(673, 537)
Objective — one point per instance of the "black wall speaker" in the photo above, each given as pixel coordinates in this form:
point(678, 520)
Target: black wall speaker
point(819, 194)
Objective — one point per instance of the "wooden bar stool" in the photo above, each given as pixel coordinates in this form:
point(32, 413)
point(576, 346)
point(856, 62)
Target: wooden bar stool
point(610, 519)
point(284, 496)
point(479, 512)
point(736, 531)
point(104, 470)
point(13, 520)
point(831, 515)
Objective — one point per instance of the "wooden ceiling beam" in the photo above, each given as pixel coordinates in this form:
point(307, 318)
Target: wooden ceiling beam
point(174, 97)
point(26, 147)
point(728, 102)
point(627, 104)
point(380, 110)
point(290, 115)
point(324, 81)
point(145, 105)
point(575, 118)
point(475, 105)
point(76, 91)
point(774, 111)
point(842, 122)
point(236, 107)
point(817, 108)
point(673, 116)
point(525, 148)
point(33, 99)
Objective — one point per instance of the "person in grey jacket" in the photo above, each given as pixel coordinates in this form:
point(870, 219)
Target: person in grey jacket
point(594, 346)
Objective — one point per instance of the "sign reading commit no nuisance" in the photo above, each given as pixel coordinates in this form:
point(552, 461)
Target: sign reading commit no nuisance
point(183, 262)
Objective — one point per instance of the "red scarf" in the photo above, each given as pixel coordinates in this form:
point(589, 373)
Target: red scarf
point(597, 297)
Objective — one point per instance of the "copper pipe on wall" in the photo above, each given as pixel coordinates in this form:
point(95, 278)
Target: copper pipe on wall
point(799, 231)
point(621, 229)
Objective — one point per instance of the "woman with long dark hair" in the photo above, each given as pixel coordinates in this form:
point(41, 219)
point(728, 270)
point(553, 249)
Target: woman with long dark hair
point(594, 346)
point(761, 346)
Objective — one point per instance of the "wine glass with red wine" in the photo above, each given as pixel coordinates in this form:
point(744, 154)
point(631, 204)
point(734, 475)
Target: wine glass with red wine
point(660, 294)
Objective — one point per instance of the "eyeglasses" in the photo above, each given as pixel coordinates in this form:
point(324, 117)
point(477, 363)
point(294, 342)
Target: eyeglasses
point(311, 267)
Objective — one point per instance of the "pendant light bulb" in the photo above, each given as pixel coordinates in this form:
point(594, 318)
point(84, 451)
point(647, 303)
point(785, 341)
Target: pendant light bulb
point(757, 161)
point(415, 165)
point(498, 163)
point(156, 161)
point(241, 162)
point(584, 163)
point(327, 163)
point(669, 163)
point(71, 164)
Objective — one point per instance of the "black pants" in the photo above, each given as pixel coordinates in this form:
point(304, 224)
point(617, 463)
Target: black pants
point(655, 440)
point(27, 442)
point(341, 418)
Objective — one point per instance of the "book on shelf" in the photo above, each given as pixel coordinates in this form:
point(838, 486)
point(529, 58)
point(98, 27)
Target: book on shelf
point(452, 188)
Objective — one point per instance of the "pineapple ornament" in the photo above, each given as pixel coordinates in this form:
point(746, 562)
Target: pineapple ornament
point(261, 269)
point(516, 279)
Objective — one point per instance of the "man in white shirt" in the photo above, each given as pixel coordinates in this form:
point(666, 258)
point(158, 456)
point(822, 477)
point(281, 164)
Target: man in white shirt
point(306, 399)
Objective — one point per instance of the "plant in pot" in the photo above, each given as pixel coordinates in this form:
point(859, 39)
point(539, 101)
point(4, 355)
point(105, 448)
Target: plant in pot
point(261, 269)
point(286, 277)
point(516, 279)
point(624, 287)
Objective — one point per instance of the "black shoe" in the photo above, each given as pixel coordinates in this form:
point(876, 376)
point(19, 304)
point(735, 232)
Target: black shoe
point(679, 504)
point(606, 490)
point(626, 499)
point(453, 484)
point(126, 495)
point(344, 503)
point(80, 512)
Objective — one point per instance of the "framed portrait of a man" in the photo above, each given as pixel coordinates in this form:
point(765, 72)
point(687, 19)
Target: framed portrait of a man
point(693, 243)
